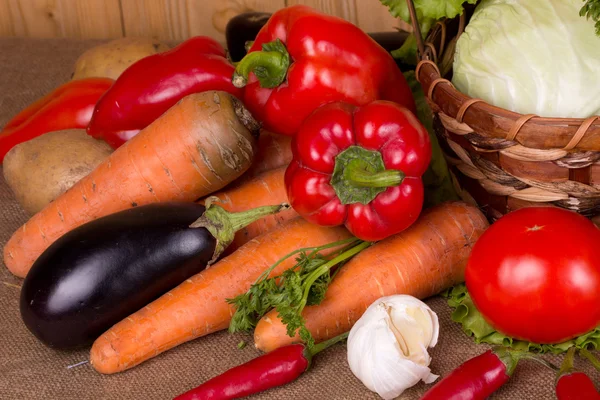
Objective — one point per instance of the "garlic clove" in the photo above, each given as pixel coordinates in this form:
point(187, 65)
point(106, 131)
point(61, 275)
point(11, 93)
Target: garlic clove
point(388, 346)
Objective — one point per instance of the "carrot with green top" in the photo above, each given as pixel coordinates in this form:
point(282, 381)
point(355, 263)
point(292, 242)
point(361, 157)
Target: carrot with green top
point(199, 305)
point(422, 261)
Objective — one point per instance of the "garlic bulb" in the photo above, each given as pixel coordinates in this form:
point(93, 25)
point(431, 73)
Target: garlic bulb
point(387, 347)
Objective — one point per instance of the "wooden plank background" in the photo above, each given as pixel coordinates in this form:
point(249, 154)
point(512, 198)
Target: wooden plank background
point(162, 19)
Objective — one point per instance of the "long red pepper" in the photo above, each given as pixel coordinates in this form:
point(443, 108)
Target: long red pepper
point(152, 85)
point(69, 106)
point(273, 369)
point(572, 384)
point(477, 378)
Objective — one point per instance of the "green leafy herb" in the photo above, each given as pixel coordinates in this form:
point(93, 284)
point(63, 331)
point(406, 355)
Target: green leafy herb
point(241, 345)
point(591, 9)
point(437, 181)
point(428, 12)
point(303, 284)
point(474, 325)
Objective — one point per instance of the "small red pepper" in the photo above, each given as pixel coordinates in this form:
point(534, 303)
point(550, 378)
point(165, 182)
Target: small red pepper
point(302, 59)
point(276, 368)
point(69, 106)
point(151, 86)
point(477, 378)
point(572, 384)
point(361, 167)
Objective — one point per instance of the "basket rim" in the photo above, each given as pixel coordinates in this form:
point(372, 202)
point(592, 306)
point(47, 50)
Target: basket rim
point(527, 130)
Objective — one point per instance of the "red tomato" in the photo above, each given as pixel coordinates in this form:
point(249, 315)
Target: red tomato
point(535, 275)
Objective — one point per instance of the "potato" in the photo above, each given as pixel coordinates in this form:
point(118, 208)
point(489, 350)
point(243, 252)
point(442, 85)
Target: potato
point(111, 59)
point(41, 169)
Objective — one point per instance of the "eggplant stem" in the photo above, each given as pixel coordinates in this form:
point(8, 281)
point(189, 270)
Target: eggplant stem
point(223, 224)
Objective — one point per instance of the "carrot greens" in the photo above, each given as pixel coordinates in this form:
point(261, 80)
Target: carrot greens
point(303, 284)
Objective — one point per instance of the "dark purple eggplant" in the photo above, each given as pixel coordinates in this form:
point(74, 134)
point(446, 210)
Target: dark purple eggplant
point(105, 270)
point(241, 29)
point(244, 27)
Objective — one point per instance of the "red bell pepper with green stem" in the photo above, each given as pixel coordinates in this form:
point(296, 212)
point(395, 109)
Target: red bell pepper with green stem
point(69, 106)
point(273, 369)
point(151, 86)
point(361, 167)
point(302, 59)
point(572, 384)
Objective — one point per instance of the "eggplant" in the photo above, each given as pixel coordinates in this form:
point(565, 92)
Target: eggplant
point(241, 29)
point(103, 271)
point(244, 27)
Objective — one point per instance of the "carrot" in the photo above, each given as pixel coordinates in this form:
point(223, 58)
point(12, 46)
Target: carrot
point(265, 189)
point(198, 306)
point(274, 151)
point(198, 146)
point(422, 261)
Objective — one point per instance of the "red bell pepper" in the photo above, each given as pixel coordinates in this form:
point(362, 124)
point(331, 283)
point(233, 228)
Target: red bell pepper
point(361, 167)
point(69, 106)
point(151, 86)
point(302, 59)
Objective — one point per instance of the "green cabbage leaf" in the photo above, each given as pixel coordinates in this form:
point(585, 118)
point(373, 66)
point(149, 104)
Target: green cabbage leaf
point(532, 57)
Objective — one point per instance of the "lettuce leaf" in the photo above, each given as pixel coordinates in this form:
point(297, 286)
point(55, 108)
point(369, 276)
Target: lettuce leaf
point(474, 325)
point(437, 181)
point(433, 9)
point(428, 12)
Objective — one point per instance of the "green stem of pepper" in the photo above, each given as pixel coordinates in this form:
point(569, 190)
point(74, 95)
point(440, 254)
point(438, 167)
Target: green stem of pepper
point(590, 357)
point(270, 66)
point(356, 173)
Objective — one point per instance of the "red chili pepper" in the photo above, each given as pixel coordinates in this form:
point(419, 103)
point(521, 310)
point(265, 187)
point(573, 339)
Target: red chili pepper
point(477, 378)
point(69, 106)
point(361, 167)
point(151, 86)
point(302, 59)
point(273, 369)
point(572, 384)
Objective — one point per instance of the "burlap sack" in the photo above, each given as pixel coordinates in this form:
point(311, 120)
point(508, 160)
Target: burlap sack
point(29, 370)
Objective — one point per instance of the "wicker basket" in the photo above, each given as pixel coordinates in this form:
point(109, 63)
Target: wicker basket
point(504, 160)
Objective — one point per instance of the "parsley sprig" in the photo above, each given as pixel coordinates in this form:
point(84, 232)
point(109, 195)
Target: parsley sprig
point(303, 284)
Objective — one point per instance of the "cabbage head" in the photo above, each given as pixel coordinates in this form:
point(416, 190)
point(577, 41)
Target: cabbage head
point(531, 56)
